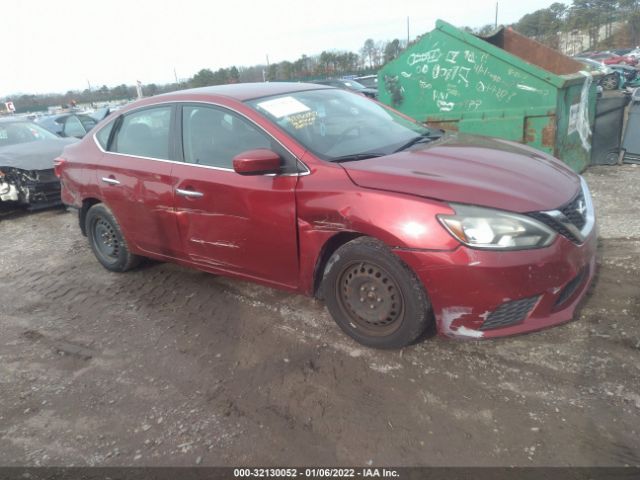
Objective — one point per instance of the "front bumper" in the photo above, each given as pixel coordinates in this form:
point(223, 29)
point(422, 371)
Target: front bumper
point(469, 287)
point(36, 189)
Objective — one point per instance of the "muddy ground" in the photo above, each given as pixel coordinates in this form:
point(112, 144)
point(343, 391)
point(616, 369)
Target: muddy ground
point(170, 366)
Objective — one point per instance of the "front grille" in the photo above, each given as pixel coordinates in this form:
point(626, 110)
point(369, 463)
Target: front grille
point(570, 288)
point(552, 223)
point(572, 211)
point(509, 313)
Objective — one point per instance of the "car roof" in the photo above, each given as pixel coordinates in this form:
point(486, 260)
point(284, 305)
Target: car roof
point(246, 91)
point(15, 120)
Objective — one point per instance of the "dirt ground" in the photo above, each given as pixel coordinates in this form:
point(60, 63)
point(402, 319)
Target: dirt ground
point(170, 366)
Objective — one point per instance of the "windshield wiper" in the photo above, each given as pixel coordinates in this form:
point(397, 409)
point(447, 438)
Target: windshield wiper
point(429, 136)
point(356, 156)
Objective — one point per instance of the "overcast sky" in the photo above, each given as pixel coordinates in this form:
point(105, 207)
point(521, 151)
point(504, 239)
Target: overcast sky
point(59, 45)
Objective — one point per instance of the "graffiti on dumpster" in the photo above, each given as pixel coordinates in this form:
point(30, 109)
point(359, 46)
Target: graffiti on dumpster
point(394, 88)
point(458, 79)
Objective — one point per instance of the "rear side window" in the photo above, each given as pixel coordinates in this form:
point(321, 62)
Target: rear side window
point(144, 133)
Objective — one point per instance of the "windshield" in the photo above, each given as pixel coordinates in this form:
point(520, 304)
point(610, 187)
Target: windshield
point(12, 133)
point(335, 123)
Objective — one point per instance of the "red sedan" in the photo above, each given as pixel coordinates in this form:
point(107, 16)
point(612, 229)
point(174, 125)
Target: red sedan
point(401, 229)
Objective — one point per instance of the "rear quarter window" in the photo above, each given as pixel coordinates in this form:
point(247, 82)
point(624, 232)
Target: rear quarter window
point(103, 135)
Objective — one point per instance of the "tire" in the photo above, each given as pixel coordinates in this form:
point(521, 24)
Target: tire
point(374, 296)
point(106, 240)
point(610, 82)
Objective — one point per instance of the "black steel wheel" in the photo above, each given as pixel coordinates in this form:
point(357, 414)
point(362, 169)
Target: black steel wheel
point(370, 298)
point(374, 296)
point(106, 240)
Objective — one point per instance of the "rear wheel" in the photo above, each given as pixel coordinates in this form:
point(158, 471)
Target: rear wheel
point(373, 296)
point(106, 240)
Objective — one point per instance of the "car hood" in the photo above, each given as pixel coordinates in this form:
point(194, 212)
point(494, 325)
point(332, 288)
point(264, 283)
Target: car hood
point(472, 170)
point(38, 155)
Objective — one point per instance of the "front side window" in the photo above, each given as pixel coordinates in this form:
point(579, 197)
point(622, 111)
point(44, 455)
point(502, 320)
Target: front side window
point(334, 123)
point(144, 133)
point(213, 136)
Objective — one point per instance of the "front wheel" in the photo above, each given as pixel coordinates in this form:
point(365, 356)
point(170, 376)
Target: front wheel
point(374, 297)
point(106, 240)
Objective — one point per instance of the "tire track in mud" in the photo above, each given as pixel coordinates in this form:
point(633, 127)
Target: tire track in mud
point(280, 381)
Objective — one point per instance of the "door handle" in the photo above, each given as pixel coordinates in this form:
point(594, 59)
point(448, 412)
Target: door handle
point(189, 193)
point(110, 181)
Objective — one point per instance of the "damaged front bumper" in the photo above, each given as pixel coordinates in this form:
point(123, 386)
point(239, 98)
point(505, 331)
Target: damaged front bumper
point(33, 188)
point(484, 294)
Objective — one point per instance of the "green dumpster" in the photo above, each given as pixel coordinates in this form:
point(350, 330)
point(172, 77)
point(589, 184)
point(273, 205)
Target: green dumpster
point(505, 85)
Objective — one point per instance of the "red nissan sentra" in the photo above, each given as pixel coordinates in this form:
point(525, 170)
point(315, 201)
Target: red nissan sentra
point(324, 192)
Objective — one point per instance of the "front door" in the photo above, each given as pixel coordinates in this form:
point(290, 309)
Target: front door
point(231, 222)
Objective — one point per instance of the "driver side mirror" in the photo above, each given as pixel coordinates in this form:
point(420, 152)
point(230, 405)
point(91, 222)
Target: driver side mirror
point(260, 161)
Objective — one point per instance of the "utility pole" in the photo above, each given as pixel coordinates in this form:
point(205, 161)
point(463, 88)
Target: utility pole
point(175, 74)
point(89, 85)
point(496, 15)
point(407, 31)
point(265, 76)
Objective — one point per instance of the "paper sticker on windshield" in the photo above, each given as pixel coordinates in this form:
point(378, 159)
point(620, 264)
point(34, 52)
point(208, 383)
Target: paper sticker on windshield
point(301, 120)
point(283, 107)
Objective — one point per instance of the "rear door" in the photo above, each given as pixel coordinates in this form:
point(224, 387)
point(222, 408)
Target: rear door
point(135, 178)
point(236, 223)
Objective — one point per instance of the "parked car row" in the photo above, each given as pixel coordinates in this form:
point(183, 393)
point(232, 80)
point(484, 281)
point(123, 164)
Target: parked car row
point(349, 84)
point(615, 57)
point(27, 151)
point(612, 76)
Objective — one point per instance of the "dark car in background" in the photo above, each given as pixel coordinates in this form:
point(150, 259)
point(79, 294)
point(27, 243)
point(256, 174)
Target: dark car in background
point(369, 81)
point(69, 124)
point(27, 152)
point(351, 85)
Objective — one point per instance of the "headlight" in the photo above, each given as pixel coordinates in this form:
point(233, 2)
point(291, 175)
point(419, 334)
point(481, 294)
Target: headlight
point(486, 228)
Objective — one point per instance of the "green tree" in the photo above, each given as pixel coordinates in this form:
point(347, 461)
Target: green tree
point(120, 92)
point(203, 78)
point(234, 75)
point(392, 50)
point(368, 51)
point(630, 9)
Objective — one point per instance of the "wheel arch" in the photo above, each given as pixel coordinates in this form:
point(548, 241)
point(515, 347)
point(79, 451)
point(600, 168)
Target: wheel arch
point(329, 247)
point(87, 203)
